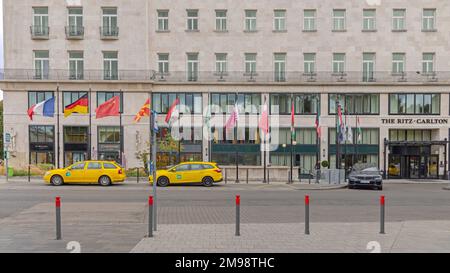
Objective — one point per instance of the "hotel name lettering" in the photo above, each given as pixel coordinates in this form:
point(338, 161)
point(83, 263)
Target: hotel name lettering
point(414, 121)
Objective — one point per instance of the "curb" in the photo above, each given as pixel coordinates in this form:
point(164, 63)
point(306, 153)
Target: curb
point(446, 188)
point(319, 188)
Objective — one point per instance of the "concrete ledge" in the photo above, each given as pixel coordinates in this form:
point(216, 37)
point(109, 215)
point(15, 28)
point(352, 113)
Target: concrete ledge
point(446, 188)
point(412, 181)
point(317, 186)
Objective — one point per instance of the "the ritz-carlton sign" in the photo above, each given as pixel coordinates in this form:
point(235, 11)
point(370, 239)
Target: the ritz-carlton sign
point(414, 121)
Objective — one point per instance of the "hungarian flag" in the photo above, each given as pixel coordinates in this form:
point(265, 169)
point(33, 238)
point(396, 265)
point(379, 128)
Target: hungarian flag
point(358, 130)
point(292, 119)
point(317, 125)
point(80, 106)
point(173, 111)
point(341, 126)
point(264, 121)
point(144, 112)
point(45, 108)
point(233, 119)
point(109, 108)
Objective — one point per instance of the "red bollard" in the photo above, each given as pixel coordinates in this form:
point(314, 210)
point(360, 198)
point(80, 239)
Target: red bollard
point(150, 216)
point(382, 212)
point(58, 217)
point(238, 215)
point(307, 214)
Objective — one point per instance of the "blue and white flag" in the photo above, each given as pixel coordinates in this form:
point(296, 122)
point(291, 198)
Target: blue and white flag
point(45, 108)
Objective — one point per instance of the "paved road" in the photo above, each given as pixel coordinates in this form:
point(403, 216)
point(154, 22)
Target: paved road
point(114, 219)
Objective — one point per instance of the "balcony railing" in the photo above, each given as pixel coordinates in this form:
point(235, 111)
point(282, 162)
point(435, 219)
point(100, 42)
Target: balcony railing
point(359, 77)
point(109, 32)
point(74, 32)
point(39, 32)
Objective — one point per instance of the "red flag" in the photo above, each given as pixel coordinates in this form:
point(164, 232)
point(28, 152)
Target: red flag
point(264, 121)
point(234, 117)
point(109, 108)
point(317, 124)
point(143, 112)
point(292, 114)
point(172, 110)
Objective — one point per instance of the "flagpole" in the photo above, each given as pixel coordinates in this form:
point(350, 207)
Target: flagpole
point(337, 136)
point(318, 141)
point(292, 135)
point(357, 139)
point(178, 129)
point(265, 145)
point(90, 124)
point(120, 128)
point(346, 139)
point(153, 163)
point(57, 125)
point(236, 146)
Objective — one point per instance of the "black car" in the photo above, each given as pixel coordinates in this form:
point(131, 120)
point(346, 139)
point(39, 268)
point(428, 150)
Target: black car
point(365, 176)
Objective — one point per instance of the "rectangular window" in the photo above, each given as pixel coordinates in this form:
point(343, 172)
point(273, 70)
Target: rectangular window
point(40, 21)
point(163, 20)
point(192, 67)
point(163, 63)
point(338, 63)
point(309, 20)
point(250, 63)
point(369, 20)
point(309, 63)
point(428, 63)
point(192, 20)
point(250, 20)
point(368, 67)
point(221, 63)
point(76, 65)
point(221, 20)
point(71, 97)
point(398, 63)
point(409, 135)
point(75, 20)
point(248, 103)
point(192, 102)
point(280, 67)
point(398, 20)
point(110, 66)
point(42, 139)
point(35, 97)
point(304, 104)
point(75, 134)
point(41, 65)
point(102, 97)
point(414, 104)
point(339, 19)
point(279, 20)
point(429, 20)
point(355, 104)
point(109, 20)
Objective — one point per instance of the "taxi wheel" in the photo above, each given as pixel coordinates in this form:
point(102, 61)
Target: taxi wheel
point(207, 181)
point(104, 181)
point(163, 181)
point(57, 180)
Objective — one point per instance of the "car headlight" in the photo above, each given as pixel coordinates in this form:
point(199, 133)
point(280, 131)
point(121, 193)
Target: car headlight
point(47, 173)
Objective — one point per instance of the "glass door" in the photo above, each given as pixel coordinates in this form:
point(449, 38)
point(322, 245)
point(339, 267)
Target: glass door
point(414, 166)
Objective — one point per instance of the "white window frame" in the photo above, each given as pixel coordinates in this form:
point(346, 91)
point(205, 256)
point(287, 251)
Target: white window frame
point(250, 22)
point(43, 28)
point(192, 67)
point(250, 64)
point(221, 21)
point(41, 65)
point(279, 22)
point(430, 20)
point(108, 61)
point(309, 22)
point(398, 66)
point(163, 65)
point(309, 66)
point(369, 20)
point(79, 66)
point(340, 64)
point(397, 19)
point(428, 66)
point(369, 73)
point(192, 21)
point(109, 18)
point(341, 19)
point(77, 18)
point(279, 67)
point(221, 66)
point(163, 21)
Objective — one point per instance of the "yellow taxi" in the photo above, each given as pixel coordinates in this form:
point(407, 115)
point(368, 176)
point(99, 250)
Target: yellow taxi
point(90, 172)
point(205, 173)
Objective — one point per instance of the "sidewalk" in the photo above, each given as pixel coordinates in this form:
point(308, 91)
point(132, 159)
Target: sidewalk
point(409, 236)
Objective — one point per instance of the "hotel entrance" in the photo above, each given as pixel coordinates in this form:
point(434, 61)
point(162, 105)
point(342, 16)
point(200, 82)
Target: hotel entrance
point(413, 166)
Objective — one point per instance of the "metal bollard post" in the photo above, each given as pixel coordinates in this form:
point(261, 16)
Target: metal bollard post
point(247, 176)
point(238, 215)
point(382, 211)
point(307, 214)
point(58, 217)
point(289, 176)
point(150, 216)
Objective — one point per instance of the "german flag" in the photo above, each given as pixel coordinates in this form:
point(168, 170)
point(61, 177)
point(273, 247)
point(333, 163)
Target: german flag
point(80, 106)
point(143, 112)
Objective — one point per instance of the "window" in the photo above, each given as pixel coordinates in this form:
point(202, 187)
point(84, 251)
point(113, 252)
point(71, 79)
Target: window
point(192, 20)
point(76, 65)
point(109, 134)
point(248, 103)
point(191, 101)
point(250, 63)
point(163, 63)
point(280, 67)
point(304, 104)
point(109, 166)
point(41, 65)
point(309, 63)
point(309, 20)
point(163, 20)
point(339, 19)
point(429, 20)
point(221, 20)
point(75, 20)
point(338, 63)
point(109, 27)
point(40, 21)
point(409, 135)
point(42, 134)
point(398, 20)
point(279, 23)
point(398, 63)
point(368, 67)
point(102, 97)
point(369, 20)
point(250, 20)
point(94, 166)
point(192, 67)
point(78, 166)
point(75, 135)
point(221, 63)
point(355, 104)
point(71, 97)
point(428, 63)
point(35, 97)
point(414, 104)
point(369, 136)
point(110, 66)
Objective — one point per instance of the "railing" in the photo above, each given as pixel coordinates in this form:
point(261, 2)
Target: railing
point(39, 32)
point(231, 77)
point(74, 32)
point(109, 32)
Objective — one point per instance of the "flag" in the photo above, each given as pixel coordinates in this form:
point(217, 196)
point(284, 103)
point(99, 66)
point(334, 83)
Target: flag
point(292, 119)
point(317, 125)
point(155, 117)
point(143, 112)
point(45, 108)
point(264, 121)
point(358, 131)
point(80, 106)
point(173, 112)
point(340, 126)
point(234, 117)
point(349, 133)
point(109, 108)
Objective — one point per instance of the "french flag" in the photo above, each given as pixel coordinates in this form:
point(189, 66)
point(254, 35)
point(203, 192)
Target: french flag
point(45, 108)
